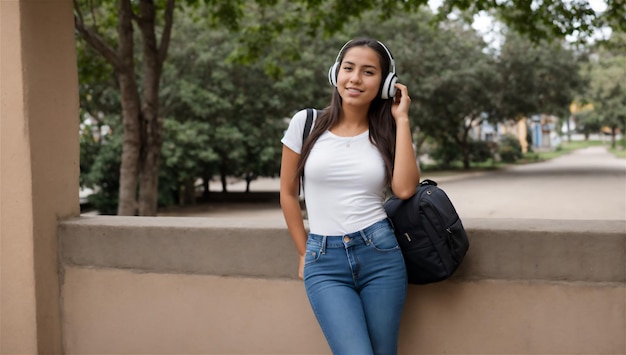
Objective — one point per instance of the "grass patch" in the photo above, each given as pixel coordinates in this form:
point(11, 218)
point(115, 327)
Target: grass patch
point(574, 145)
point(531, 157)
point(619, 152)
point(620, 148)
point(535, 157)
point(562, 149)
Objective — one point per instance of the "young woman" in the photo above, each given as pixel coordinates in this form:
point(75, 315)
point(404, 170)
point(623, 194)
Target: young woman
point(360, 145)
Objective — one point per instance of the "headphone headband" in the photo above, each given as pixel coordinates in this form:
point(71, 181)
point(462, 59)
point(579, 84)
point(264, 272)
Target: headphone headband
point(392, 65)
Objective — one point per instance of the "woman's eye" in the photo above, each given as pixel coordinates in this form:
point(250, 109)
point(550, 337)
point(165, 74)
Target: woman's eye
point(347, 68)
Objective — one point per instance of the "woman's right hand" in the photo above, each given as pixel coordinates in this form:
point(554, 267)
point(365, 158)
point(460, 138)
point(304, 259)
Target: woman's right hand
point(301, 268)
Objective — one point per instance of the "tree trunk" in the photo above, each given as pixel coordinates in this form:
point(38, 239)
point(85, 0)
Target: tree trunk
point(466, 156)
point(151, 125)
point(463, 141)
point(613, 136)
point(569, 132)
point(149, 184)
point(189, 192)
point(131, 147)
point(206, 191)
point(248, 181)
point(224, 182)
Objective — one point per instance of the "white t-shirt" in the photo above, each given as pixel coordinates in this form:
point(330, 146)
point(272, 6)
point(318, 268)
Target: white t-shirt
point(344, 180)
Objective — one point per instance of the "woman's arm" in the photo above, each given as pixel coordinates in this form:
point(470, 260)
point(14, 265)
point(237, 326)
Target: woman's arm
point(290, 203)
point(406, 174)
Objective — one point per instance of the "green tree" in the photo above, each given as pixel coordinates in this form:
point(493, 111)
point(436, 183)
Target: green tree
point(607, 91)
point(186, 155)
point(142, 134)
point(588, 122)
point(245, 103)
point(462, 94)
point(538, 77)
point(450, 78)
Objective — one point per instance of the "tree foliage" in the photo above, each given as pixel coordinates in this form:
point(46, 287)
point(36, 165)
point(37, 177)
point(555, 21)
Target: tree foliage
point(539, 77)
point(236, 69)
point(547, 19)
point(244, 103)
point(187, 155)
point(458, 95)
point(606, 97)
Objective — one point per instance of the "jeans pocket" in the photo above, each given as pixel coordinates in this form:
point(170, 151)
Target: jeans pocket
point(384, 240)
point(313, 251)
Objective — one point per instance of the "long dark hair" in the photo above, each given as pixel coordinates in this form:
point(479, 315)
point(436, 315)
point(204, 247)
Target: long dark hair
point(382, 126)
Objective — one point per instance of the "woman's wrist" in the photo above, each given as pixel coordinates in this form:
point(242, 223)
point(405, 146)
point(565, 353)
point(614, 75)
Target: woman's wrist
point(402, 120)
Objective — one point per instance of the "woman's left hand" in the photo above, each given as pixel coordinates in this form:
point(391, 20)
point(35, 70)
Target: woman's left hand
point(401, 102)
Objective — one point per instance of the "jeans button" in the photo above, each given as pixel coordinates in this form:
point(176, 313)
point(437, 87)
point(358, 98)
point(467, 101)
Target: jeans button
point(346, 239)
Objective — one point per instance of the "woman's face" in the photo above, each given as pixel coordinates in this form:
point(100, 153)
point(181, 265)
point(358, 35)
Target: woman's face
point(359, 77)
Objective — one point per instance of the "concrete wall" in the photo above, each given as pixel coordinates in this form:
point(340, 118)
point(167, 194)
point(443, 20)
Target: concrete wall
point(39, 167)
point(205, 286)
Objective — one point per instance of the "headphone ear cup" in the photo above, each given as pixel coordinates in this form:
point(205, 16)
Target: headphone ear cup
point(388, 89)
point(332, 74)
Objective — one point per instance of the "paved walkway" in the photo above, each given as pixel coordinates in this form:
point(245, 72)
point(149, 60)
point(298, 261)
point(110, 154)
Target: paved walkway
point(586, 184)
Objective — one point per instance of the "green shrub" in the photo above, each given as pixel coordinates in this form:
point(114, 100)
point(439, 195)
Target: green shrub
point(480, 151)
point(510, 149)
point(103, 176)
point(446, 153)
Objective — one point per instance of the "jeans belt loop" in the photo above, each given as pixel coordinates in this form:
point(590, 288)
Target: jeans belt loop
point(323, 251)
point(364, 237)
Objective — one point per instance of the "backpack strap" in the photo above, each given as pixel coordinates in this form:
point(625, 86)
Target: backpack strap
point(311, 114)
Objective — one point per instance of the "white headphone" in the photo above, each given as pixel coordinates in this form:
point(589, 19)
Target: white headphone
point(388, 90)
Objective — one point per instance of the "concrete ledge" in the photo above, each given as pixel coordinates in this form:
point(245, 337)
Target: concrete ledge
point(179, 245)
point(552, 250)
point(507, 249)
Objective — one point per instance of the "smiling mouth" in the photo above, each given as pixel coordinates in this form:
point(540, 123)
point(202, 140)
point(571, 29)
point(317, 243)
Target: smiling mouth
point(353, 90)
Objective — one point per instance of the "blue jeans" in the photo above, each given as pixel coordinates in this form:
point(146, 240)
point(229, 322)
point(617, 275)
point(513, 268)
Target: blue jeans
point(356, 284)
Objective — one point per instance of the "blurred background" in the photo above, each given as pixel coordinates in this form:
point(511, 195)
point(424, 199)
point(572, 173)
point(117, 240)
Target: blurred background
point(183, 103)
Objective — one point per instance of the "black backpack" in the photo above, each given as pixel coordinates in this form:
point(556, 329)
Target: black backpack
point(429, 232)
